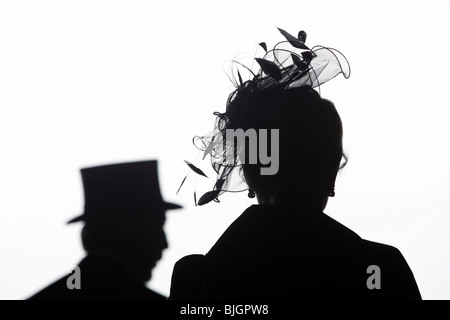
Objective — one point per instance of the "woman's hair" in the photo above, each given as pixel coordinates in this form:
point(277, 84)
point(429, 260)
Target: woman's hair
point(280, 95)
point(310, 135)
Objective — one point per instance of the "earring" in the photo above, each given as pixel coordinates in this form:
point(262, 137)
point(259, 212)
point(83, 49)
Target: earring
point(332, 193)
point(251, 193)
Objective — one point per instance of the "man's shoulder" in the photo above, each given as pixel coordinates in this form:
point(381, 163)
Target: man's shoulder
point(55, 291)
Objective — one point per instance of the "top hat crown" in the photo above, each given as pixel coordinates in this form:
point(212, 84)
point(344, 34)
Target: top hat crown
point(128, 188)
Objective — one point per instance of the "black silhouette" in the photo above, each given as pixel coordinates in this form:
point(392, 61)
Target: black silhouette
point(123, 234)
point(286, 247)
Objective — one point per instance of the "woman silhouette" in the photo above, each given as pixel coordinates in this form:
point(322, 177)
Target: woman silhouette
point(286, 247)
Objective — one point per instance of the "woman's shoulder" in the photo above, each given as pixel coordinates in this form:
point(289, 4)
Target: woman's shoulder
point(381, 261)
point(187, 278)
point(337, 230)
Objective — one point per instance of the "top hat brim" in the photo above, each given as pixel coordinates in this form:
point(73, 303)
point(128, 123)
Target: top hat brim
point(166, 206)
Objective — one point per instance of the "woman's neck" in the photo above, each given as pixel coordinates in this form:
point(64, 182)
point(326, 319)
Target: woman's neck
point(295, 197)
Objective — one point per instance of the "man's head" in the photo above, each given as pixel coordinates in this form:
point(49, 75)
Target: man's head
point(124, 214)
point(135, 240)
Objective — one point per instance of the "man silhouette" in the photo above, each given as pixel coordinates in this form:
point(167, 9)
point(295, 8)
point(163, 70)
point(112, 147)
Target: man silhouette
point(123, 234)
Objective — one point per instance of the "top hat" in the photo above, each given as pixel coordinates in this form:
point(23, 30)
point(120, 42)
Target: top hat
point(131, 188)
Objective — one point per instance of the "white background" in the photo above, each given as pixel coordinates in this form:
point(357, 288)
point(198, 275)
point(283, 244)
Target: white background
point(93, 82)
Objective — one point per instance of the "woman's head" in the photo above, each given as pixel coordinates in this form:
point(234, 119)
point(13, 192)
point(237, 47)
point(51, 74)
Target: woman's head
point(281, 99)
point(310, 137)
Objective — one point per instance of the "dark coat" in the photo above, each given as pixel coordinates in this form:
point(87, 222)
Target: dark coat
point(102, 278)
point(276, 252)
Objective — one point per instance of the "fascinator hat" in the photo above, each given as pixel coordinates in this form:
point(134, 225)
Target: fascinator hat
point(288, 65)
